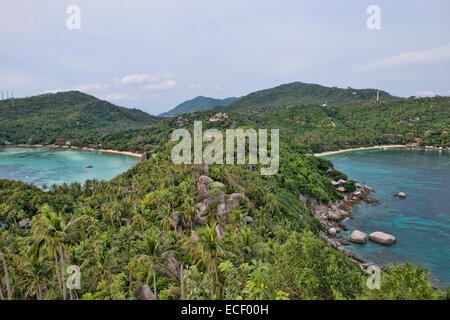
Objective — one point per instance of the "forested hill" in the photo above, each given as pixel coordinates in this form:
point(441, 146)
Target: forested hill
point(299, 93)
point(69, 115)
point(316, 128)
point(197, 104)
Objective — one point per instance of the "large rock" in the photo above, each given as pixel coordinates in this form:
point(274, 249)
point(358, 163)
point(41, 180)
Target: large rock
point(201, 210)
point(358, 237)
point(179, 223)
point(171, 269)
point(205, 180)
point(382, 238)
point(203, 185)
point(226, 206)
point(145, 156)
point(144, 293)
point(332, 232)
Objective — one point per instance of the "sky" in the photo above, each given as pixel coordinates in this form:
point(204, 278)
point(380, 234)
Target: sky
point(154, 54)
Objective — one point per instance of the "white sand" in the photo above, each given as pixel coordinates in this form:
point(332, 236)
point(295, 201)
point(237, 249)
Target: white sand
point(329, 153)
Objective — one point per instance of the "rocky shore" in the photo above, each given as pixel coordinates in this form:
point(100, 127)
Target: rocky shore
point(333, 213)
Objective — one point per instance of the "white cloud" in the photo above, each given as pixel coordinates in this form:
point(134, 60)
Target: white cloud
point(429, 93)
point(216, 88)
point(119, 96)
point(416, 57)
point(155, 81)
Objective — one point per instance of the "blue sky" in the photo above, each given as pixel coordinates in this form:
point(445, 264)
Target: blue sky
point(154, 55)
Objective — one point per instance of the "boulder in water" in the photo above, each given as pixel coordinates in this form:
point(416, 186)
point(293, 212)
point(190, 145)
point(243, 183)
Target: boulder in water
point(382, 238)
point(358, 237)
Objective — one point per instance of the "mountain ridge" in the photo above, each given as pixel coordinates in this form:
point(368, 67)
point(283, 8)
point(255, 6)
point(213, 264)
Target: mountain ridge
point(199, 103)
point(300, 93)
point(70, 114)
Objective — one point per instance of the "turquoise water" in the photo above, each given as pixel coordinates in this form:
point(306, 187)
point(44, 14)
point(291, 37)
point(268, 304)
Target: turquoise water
point(420, 222)
point(49, 166)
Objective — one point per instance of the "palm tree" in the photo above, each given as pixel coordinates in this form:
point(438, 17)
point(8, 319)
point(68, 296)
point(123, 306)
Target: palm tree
point(34, 273)
point(4, 254)
point(51, 229)
point(153, 249)
point(208, 250)
point(103, 259)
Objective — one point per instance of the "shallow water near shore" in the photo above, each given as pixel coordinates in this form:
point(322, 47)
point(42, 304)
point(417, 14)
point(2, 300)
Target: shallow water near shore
point(420, 222)
point(49, 166)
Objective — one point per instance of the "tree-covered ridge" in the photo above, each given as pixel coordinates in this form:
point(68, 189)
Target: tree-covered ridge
point(318, 128)
point(299, 93)
point(138, 228)
point(69, 115)
point(198, 104)
point(313, 128)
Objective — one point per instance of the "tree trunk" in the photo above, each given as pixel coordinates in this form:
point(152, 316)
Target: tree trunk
point(1, 290)
point(61, 255)
point(39, 291)
point(154, 284)
point(182, 282)
point(57, 271)
point(8, 287)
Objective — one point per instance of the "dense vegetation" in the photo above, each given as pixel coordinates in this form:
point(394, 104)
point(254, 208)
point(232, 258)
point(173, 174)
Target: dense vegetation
point(126, 233)
point(142, 226)
point(314, 128)
point(197, 104)
point(68, 115)
point(298, 93)
point(317, 128)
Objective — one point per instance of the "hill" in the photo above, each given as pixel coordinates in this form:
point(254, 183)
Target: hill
point(315, 128)
point(299, 93)
point(197, 104)
point(43, 118)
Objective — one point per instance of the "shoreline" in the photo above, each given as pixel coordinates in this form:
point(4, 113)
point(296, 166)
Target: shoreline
point(329, 153)
point(125, 153)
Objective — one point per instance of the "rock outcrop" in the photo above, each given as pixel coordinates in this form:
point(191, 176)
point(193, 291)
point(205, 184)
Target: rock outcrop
point(203, 185)
point(382, 238)
point(358, 237)
point(171, 269)
point(179, 223)
point(144, 293)
point(145, 156)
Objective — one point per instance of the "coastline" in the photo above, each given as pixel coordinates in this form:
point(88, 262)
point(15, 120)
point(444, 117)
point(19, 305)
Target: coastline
point(126, 153)
point(329, 153)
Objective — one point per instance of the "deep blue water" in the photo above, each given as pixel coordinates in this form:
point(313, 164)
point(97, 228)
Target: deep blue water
point(420, 222)
point(55, 166)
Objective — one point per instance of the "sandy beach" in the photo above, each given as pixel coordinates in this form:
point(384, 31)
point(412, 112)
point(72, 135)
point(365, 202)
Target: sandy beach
point(329, 153)
point(126, 153)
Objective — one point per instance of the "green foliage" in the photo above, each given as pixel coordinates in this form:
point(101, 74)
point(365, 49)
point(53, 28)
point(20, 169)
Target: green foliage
point(122, 233)
point(306, 268)
point(197, 104)
point(69, 115)
point(405, 282)
point(298, 93)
